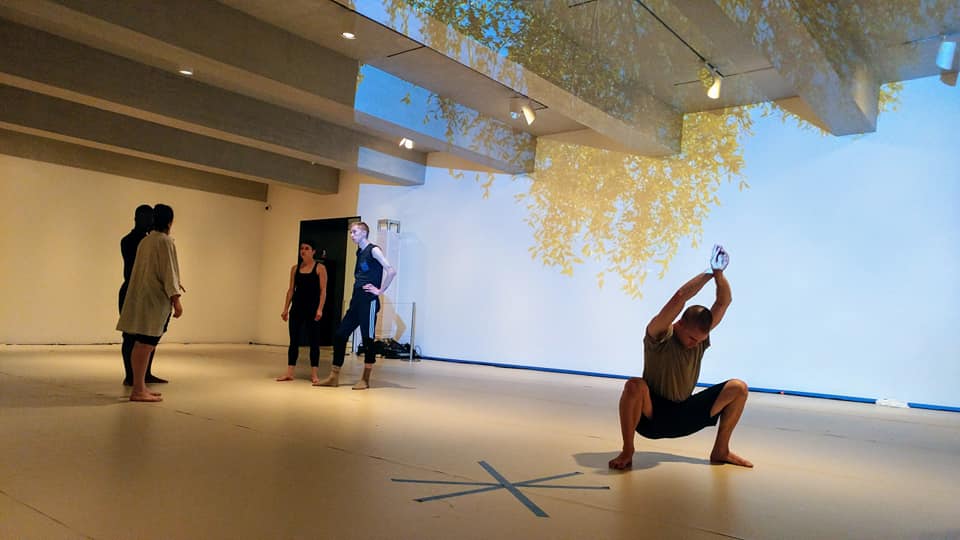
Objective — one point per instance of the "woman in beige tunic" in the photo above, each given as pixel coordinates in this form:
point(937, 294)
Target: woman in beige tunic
point(153, 293)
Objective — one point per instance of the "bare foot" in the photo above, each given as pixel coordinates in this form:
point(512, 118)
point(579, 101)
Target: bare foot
point(315, 380)
point(285, 378)
point(152, 393)
point(623, 461)
point(148, 397)
point(729, 457)
point(332, 380)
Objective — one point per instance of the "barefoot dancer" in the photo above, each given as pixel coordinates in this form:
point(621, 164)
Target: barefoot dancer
point(372, 275)
point(662, 403)
point(308, 292)
point(143, 222)
point(153, 293)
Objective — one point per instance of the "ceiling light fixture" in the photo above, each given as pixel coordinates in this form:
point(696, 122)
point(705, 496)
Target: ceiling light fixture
point(945, 54)
point(714, 91)
point(521, 107)
point(348, 35)
point(406, 143)
point(528, 113)
point(186, 71)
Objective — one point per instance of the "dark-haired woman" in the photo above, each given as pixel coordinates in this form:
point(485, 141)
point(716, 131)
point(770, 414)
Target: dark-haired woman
point(308, 293)
point(152, 296)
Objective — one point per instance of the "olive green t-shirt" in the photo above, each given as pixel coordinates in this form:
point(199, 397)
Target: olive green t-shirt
point(670, 369)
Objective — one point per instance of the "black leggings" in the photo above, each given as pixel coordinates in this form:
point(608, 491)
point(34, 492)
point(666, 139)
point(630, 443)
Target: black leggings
point(298, 324)
point(363, 313)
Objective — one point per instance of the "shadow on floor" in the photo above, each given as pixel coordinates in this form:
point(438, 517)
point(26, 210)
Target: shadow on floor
point(347, 381)
point(23, 393)
point(641, 460)
point(54, 397)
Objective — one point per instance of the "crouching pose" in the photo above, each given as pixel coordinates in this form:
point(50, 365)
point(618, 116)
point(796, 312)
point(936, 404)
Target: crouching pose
point(662, 403)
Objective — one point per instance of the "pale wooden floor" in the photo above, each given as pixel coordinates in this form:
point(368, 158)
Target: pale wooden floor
point(232, 454)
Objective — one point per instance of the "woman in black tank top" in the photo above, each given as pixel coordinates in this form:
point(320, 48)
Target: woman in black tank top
point(307, 292)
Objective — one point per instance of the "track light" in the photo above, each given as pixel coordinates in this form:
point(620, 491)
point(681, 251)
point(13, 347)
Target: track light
point(714, 91)
point(948, 50)
point(528, 113)
point(521, 107)
point(406, 143)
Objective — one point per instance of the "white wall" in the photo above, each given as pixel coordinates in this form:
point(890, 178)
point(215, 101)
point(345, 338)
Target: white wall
point(845, 258)
point(481, 297)
point(61, 266)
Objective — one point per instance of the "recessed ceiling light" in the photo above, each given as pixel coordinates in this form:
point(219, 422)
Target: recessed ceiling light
point(349, 35)
point(406, 143)
point(186, 71)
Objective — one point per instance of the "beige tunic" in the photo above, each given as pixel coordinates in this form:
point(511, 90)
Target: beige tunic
point(154, 280)
point(669, 369)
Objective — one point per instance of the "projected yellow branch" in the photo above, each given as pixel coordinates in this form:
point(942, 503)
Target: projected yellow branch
point(628, 213)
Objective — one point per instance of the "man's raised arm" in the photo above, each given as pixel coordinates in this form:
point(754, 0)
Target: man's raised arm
point(718, 263)
point(661, 323)
point(724, 297)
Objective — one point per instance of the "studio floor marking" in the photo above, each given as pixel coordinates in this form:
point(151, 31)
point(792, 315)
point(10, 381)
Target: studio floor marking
point(501, 483)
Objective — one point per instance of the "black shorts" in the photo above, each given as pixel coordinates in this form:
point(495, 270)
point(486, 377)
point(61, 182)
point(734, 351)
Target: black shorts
point(152, 340)
point(147, 340)
point(673, 419)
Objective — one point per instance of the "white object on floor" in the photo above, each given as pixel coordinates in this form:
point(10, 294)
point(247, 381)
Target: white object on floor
point(887, 402)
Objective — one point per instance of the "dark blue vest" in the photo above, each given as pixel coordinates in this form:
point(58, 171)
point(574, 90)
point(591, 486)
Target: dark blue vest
point(367, 270)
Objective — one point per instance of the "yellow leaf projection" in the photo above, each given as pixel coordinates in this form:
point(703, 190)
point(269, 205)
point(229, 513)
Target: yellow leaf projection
point(629, 213)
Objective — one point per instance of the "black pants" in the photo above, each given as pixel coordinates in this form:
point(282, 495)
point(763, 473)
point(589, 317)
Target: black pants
point(126, 348)
point(300, 323)
point(363, 313)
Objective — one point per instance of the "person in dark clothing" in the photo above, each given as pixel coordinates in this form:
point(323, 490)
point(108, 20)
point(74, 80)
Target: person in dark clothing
point(142, 223)
point(308, 293)
point(153, 297)
point(372, 275)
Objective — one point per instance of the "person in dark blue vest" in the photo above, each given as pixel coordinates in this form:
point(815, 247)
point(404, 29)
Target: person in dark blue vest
point(372, 275)
point(142, 223)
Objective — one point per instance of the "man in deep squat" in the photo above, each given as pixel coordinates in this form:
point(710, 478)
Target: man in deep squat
point(372, 275)
point(662, 403)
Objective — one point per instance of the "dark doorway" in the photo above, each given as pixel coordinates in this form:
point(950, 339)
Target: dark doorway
point(330, 238)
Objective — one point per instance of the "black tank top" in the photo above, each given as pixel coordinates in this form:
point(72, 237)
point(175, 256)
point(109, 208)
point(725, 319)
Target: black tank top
point(367, 270)
point(306, 292)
